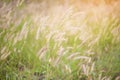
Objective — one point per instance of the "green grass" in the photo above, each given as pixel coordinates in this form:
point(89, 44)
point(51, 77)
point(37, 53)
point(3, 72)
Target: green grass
point(67, 50)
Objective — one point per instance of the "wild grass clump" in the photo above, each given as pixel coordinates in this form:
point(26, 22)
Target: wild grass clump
point(61, 43)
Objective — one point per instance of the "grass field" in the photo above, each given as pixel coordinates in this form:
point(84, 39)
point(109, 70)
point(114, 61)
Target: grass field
point(42, 40)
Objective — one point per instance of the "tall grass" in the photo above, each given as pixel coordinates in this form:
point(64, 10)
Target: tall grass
point(59, 42)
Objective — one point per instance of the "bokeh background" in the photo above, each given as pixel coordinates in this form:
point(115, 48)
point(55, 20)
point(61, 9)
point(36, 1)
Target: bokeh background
point(59, 40)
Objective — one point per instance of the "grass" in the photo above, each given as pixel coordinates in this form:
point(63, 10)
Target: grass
point(63, 45)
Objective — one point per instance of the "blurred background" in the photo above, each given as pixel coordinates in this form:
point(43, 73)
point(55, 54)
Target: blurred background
point(59, 40)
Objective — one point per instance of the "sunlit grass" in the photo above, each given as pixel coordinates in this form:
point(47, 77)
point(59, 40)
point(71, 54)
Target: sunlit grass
point(59, 43)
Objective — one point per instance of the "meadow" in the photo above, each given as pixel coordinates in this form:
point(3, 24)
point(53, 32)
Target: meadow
point(59, 40)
